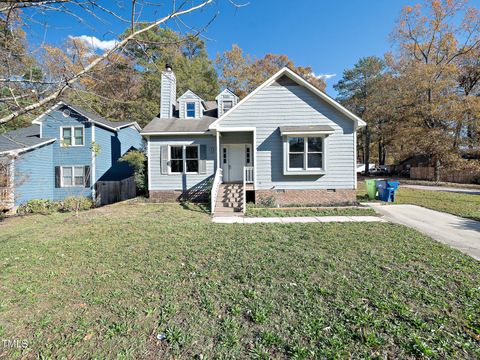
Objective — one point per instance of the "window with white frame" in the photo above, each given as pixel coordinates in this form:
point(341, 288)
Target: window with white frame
point(73, 176)
point(227, 105)
point(72, 136)
point(191, 159)
point(190, 110)
point(176, 159)
point(305, 153)
point(184, 159)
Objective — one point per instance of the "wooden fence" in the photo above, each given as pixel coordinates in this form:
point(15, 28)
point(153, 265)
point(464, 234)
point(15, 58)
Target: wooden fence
point(109, 192)
point(428, 173)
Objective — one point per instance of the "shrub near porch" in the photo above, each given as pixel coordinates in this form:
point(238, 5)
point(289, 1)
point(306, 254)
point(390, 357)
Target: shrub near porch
point(123, 274)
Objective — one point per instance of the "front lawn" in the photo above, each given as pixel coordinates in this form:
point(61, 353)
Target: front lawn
point(465, 205)
point(309, 211)
point(106, 283)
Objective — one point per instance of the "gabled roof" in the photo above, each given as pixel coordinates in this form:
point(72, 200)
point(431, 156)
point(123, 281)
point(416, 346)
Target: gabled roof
point(91, 116)
point(301, 81)
point(22, 139)
point(190, 92)
point(228, 91)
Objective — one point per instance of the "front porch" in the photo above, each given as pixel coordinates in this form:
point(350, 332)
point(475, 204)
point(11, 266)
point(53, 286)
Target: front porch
point(235, 172)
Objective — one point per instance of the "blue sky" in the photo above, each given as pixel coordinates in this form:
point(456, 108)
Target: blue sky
point(329, 36)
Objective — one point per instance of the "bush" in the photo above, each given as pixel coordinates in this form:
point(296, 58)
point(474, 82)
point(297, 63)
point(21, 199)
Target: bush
point(137, 160)
point(76, 203)
point(267, 201)
point(38, 206)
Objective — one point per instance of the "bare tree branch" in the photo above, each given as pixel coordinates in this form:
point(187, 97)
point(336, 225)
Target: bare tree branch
point(73, 79)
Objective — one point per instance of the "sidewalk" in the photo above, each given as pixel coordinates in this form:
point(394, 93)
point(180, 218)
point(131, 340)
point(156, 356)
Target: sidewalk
point(290, 220)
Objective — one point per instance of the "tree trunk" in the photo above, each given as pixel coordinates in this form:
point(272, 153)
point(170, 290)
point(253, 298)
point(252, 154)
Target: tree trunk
point(366, 151)
point(437, 170)
point(382, 154)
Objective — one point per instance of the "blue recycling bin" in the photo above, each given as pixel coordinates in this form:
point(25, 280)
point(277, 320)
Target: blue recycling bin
point(387, 189)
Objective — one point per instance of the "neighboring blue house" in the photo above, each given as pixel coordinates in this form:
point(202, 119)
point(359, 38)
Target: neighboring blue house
point(64, 153)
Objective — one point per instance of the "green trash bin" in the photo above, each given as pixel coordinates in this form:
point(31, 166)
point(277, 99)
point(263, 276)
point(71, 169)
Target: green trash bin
point(371, 188)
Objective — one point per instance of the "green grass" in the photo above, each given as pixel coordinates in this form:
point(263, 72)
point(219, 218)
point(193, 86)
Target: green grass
point(104, 284)
point(464, 205)
point(309, 211)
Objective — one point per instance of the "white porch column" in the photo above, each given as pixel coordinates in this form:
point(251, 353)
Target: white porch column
point(218, 149)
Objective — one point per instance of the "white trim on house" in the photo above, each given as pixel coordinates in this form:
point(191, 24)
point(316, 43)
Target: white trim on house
point(94, 165)
point(183, 159)
point(226, 90)
point(194, 110)
point(301, 81)
point(355, 159)
point(176, 133)
point(62, 185)
point(17, 151)
point(287, 170)
point(308, 133)
point(149, 162)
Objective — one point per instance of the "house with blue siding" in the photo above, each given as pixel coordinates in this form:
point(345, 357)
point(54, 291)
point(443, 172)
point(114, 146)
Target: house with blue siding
point(65, 152)
point(286, 142)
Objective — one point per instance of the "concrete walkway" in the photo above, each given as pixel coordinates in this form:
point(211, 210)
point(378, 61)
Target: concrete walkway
point(460, 233)
point(290, 220)
point(443, 188)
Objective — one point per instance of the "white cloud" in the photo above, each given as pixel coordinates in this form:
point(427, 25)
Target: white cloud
point(324, 76)
point(95, 43)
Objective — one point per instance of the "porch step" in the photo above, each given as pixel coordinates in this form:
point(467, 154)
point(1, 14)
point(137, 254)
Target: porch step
point(229, 200)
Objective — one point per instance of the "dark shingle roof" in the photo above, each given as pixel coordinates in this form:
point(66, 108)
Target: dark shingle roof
point(176, 125)
point(92, 115)
point(22, 139)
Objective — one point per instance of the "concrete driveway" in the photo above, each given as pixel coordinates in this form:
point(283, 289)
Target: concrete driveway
point(460, 233)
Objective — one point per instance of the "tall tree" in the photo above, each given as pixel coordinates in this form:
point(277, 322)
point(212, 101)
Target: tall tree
point(356, 90)
point(242, 73)
point(432, 42)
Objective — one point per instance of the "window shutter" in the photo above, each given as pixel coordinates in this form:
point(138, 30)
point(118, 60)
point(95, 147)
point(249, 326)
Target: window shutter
point(57, 176)
point(164, 160)
point(87, 175)
point(202, 163)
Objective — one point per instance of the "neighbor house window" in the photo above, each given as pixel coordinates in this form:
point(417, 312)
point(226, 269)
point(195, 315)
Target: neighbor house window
point(305, 153)
point(72, 135)
point(190, 109)
point(184, 159)
point(73, 176)
point(227, 105)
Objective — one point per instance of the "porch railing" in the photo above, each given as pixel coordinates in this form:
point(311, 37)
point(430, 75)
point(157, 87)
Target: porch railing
point(248, 175)
point(248, 178)
point(216, 185)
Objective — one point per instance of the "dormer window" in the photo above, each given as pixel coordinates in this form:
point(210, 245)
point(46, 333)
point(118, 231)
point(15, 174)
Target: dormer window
point(227, 105)
point(190, 110)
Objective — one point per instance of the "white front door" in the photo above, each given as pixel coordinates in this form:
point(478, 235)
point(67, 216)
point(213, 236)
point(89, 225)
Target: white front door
point(233, 162)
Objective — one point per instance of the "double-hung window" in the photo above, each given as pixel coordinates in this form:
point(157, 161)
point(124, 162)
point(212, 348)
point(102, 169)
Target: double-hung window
point(184, 159)
point(73, 176)
point(305, 154)
point(72, 136)
point(190, 110)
